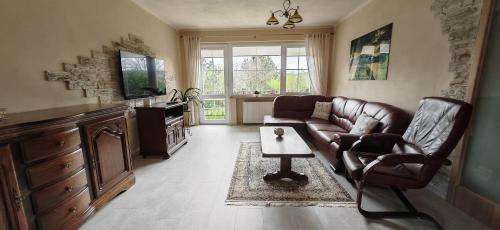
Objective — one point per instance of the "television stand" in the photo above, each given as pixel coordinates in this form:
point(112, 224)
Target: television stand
point(161, 129)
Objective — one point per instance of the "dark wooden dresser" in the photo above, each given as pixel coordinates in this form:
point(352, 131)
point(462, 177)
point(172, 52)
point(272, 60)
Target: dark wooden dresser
point(58, 165)
point(161, 128)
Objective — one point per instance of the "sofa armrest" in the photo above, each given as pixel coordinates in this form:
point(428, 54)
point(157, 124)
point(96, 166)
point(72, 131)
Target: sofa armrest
point(380, 143)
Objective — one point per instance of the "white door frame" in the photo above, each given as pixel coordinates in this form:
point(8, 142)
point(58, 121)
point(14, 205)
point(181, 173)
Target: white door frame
point(226, 95)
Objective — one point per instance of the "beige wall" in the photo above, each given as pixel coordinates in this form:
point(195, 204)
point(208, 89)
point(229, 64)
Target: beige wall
point(419, 58)
point(41, 35)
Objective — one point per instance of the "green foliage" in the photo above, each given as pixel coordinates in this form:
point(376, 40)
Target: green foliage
point(136, 81)
point(297, 83)
point(190, 95)
point(256, 73)
point(213, 77)
point(214, 109)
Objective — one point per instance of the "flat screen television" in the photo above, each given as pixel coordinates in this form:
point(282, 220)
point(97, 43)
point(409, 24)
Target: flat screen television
point(142, 76)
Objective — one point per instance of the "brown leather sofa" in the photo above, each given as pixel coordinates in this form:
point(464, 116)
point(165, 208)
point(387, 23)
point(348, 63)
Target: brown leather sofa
point(332, 137)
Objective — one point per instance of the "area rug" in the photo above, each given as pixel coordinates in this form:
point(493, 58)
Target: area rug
point(248, 188)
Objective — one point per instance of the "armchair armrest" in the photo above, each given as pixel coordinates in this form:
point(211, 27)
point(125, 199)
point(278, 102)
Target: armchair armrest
point(406, 158)
point(377, 143)
point(386, 137)
point(345, 140)
point(394, 159)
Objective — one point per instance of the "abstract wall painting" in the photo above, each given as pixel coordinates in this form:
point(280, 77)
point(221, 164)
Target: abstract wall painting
point(370, 55)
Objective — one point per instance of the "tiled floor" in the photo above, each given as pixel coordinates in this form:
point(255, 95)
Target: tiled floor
point(188, 191)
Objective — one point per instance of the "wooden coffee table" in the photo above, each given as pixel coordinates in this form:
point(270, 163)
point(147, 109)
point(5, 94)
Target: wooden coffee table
point(291, 145)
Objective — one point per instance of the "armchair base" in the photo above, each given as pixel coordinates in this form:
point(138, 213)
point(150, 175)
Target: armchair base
point(411, 213)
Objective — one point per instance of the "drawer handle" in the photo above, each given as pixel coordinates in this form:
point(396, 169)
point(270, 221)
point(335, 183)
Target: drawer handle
point(68, 188)
point(61, 143)
point(66, 165)
point(72, 210)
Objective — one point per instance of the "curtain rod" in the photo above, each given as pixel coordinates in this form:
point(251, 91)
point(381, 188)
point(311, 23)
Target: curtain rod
point(249, 35)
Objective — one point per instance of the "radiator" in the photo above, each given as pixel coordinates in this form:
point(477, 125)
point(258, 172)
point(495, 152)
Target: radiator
point(253, 112)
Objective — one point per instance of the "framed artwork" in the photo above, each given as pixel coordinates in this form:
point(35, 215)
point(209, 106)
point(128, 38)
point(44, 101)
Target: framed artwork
point(370, 55)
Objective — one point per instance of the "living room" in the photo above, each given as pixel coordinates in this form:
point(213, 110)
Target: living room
point(218, 114)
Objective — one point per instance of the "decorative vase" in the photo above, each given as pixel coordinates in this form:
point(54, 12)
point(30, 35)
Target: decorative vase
point(146, 102)
point(279, 132)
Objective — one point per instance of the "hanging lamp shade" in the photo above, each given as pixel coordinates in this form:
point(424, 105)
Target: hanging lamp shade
point(296, 18)
point(272, 20)
point(289, 25)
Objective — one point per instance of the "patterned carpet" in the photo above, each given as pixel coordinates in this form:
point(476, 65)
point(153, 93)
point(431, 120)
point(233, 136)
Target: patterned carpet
point(248, 188)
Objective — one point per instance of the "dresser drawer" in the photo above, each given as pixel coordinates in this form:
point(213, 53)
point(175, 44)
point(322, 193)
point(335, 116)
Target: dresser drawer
point(54, 169)
point(60, 191)
point(42, 147)
point(57, 217)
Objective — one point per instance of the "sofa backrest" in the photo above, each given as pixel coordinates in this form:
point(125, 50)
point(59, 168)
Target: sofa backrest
point(392, 119)
point(296, 106)
point(345, 111)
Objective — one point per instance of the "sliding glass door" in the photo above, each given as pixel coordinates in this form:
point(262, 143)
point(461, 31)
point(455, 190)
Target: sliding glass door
point(213, 85)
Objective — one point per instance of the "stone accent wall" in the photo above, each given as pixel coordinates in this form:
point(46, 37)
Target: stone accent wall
point(99, 74)
point(460, 22)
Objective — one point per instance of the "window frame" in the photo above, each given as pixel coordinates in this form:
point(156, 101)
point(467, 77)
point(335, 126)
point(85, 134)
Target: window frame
point(228, 62)
point(227, 50)
point(293, 45)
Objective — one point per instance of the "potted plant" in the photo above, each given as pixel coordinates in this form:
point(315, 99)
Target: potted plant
point(189, 95)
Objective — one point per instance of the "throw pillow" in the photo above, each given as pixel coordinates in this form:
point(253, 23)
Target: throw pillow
point(322, 110)
point(364, 125)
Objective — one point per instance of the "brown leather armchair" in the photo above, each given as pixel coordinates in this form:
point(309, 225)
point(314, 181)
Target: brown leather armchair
point(409, 161)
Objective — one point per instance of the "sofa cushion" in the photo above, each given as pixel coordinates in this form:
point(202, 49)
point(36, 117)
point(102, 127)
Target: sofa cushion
point(316, 121)
point(345, 111)
point(326, 127)
point(298, 124)
point(364, 125)
point(322, 138)
point(270, 120)
point(322, 110)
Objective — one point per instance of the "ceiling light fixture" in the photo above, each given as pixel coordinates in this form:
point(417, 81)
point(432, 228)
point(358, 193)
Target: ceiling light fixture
point(292, 14)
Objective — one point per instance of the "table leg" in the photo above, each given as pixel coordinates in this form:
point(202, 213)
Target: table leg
point(285, 171)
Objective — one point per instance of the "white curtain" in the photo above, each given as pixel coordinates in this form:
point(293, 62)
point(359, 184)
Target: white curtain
point(318, 61)
point(192, 60)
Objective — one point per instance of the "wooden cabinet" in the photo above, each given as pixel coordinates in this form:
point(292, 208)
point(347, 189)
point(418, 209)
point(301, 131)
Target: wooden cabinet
point(108, 153)
point(58, 165)
point(12, 214)
point(161, 129)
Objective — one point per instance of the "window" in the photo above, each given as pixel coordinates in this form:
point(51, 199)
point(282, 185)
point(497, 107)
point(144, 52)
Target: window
point(279, 68)
point(256, 68)
point(297, 73)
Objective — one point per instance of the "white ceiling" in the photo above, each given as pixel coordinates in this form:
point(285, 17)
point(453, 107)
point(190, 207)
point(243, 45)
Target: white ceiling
point(243, 14)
